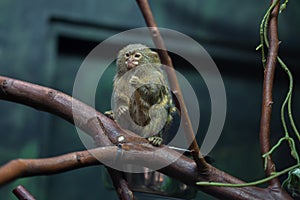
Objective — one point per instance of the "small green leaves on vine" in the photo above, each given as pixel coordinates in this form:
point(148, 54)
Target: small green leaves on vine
point(258, 182)
point(288, 100)
point(259, 47)
point(292, 183)
point(283, 6)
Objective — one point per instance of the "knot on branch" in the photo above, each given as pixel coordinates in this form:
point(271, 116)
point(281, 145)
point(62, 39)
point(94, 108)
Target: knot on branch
point(154, 31)
point(51, 94)
point(4, 84)
point(270, 103)
point(79, 157)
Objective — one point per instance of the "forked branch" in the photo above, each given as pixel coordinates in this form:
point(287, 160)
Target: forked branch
point(183, 169)
point(166, 60)
point(267, 94)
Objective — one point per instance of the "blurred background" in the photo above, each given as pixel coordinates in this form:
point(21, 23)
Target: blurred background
point(45, 42)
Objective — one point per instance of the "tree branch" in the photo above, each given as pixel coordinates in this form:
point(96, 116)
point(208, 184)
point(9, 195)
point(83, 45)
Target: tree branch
point(62, 105)
point(20, 168)
point(183, 169)
point(267, 95)
point(121, 184)
point(22, 194)
point(166, 60)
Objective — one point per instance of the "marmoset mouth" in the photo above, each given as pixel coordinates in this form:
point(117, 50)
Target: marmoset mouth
point(131, 64)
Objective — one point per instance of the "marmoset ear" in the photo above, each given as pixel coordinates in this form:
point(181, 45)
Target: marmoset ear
point(155, 56)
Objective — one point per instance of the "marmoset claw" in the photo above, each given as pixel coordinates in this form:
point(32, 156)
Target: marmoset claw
point(155, 140)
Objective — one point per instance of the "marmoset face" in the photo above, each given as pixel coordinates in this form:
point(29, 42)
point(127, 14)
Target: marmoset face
point(135, 55)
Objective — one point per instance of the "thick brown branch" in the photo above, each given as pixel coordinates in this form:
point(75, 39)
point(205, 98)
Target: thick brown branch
point(70, 109)
point(267, 94)
point(183, 169)
point(31, 167)
point(166, 60)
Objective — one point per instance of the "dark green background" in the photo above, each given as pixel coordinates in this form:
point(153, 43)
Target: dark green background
point(44, 42)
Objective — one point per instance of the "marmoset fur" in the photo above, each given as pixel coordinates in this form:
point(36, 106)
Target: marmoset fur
point(142, 99)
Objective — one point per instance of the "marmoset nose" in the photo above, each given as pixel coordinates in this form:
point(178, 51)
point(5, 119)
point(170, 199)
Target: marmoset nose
point(130, 63)
point(130, 59)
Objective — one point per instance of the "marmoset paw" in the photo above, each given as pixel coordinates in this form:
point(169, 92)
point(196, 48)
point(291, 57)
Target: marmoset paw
point(155, 140)
point(109, 114)
point(122, 110)
point(134, 80)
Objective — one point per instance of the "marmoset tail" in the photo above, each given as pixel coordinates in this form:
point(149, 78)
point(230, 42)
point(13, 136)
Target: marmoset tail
point(142, 99)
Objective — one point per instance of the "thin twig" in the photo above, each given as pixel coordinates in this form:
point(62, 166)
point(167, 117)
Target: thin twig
point(267, 95)
point(166, 60)
point(22, 194)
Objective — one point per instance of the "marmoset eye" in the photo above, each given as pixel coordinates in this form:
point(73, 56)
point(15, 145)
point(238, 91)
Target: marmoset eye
point(137, 55)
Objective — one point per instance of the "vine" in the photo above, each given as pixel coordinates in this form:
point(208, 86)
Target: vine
point(293, 180)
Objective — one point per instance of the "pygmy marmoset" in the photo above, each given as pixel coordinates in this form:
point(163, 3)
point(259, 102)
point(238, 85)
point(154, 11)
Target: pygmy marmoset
point(141, 98)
